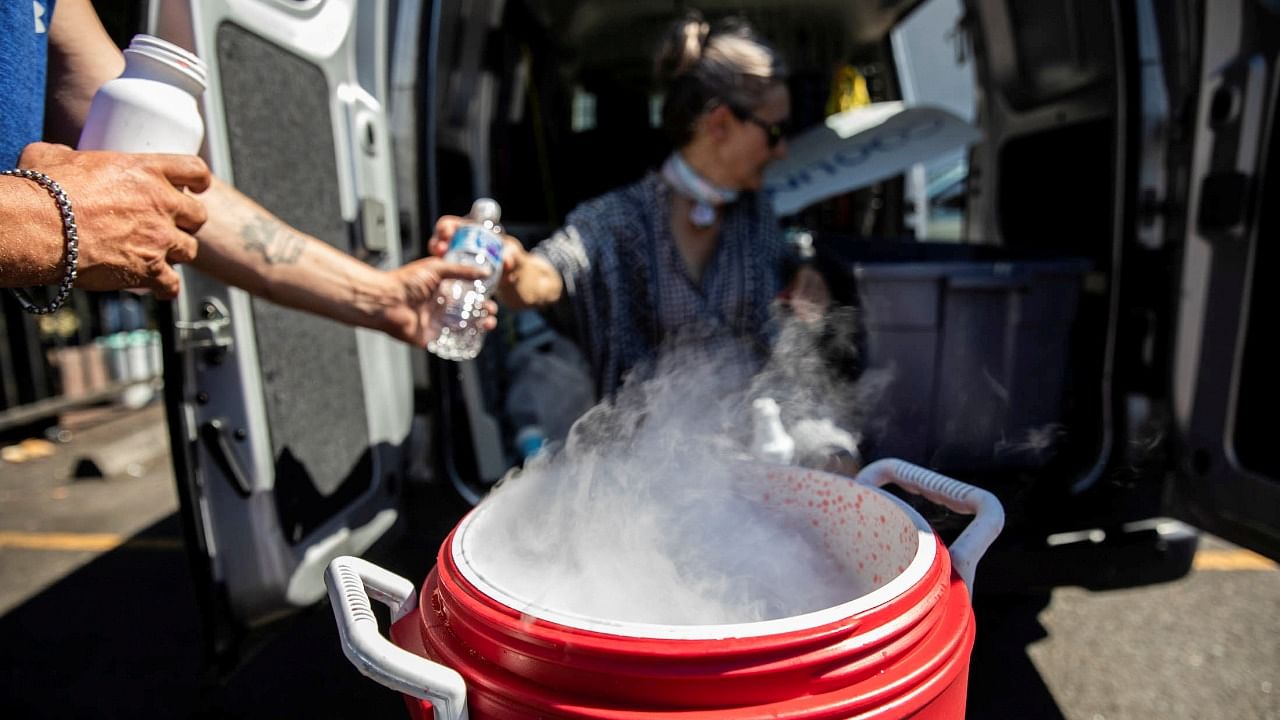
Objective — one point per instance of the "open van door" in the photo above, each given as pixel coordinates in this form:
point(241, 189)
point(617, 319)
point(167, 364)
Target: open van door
point(1226, 391)
point(1142, 134)
point(288, 431)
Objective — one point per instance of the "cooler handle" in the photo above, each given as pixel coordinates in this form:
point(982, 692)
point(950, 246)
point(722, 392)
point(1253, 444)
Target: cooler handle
point(988, 513)
point(351, 582)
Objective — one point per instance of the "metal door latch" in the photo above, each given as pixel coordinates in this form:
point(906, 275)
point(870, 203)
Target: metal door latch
point(213, 330)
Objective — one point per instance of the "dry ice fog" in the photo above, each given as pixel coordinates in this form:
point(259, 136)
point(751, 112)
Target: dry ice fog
point(645, 513)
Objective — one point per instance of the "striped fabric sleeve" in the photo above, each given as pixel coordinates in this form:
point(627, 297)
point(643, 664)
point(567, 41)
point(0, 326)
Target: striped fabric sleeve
point(567, 253)
point(579, 252)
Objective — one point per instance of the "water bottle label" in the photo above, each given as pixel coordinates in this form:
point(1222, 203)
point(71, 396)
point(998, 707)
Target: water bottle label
point(476, 240)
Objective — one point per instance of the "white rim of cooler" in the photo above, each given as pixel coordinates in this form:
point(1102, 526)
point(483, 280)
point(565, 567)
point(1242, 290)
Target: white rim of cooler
point(925, 555)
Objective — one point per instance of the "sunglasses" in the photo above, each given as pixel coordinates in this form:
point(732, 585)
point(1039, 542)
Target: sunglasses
point(773, 131)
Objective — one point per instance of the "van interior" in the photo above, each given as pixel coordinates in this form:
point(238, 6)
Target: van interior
point(986, 281)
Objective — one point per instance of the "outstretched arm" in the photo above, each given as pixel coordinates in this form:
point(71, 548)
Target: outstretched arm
point(242, 244)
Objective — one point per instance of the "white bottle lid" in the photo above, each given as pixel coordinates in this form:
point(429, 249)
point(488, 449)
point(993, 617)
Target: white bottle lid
point(153, 107)
point(180, 67)
point(769, 438)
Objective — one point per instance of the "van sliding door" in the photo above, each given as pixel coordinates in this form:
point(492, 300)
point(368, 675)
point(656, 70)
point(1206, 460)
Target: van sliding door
point(289, 429)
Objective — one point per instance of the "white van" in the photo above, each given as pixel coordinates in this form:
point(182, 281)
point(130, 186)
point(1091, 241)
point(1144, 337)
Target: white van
point(1074, 307)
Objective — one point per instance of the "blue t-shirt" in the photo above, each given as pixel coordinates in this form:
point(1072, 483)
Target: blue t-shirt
point(24, 35)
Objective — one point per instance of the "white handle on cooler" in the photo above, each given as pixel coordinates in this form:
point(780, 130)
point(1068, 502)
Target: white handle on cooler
point(988, 513)
point(351, 582)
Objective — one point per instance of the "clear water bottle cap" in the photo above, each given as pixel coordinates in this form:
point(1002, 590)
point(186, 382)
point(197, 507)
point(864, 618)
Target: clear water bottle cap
point(486, 209)
point(801, 241)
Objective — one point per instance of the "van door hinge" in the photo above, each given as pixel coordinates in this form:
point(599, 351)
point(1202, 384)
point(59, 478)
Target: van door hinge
point(213, 330)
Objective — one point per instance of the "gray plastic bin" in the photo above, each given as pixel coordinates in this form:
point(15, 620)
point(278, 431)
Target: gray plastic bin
point(978, 354)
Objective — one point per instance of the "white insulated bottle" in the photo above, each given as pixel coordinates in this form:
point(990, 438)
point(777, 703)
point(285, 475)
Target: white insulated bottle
point(153, 106)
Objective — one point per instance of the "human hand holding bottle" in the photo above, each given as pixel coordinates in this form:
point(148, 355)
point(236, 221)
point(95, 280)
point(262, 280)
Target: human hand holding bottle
point(515, 259)
point(459, 322)
point(528, 281)
point(134, 220)
point(412, 317)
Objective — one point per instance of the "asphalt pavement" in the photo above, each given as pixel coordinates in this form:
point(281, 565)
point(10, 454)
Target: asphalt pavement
point(98, 619)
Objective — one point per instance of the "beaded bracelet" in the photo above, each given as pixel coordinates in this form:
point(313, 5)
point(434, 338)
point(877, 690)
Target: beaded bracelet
point(69, 233)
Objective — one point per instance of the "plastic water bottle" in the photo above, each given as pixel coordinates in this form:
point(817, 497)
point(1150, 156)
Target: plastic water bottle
point(153, 106)
point(529, 440)
point(456, 324)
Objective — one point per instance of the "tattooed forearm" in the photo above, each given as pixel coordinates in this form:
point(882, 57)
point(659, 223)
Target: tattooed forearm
point(278, 244)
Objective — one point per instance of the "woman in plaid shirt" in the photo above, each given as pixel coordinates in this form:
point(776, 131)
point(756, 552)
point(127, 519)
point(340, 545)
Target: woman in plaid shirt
point(691, 255)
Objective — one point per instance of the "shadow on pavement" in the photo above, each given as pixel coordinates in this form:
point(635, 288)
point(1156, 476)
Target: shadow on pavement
point(120, 638)
point(1003, 681)
point(115, 638)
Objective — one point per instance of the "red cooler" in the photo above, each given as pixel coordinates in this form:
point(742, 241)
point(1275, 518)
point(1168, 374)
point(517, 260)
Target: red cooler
point(467, 647)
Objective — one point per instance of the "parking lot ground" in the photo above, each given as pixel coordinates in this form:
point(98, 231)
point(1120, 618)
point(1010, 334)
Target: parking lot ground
point(98, 619)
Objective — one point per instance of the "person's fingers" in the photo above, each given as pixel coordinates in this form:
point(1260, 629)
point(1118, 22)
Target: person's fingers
point(183, 171)
point(489, 321)
point(183, 249)
point(460, 271)
point(445, 227)
point(512, 252)
point(166, 283)
point(447, 224)
point(42, 153)
point(190, 214)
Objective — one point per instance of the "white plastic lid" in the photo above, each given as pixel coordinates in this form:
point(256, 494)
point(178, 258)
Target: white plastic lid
point(188, 70)
point(769, 436)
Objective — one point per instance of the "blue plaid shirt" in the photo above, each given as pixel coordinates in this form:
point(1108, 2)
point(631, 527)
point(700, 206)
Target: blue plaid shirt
point(631, 297)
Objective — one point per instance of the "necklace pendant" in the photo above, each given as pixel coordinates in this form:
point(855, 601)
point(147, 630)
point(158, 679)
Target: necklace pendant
point(702, 215)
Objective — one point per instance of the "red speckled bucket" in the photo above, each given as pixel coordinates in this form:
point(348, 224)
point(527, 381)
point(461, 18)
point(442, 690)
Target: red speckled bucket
point(900, 649)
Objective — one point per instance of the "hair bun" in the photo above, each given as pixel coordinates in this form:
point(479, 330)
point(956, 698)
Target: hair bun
point(696, 36)
point(699, 66)
point(682, 46)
